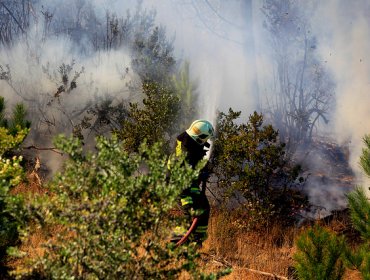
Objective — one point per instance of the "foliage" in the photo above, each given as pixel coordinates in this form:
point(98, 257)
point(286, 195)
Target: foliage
point(319, 255)
point(11, 206)
point(12, 134)
point(360, 215)
point(185, 89)
point(103, 116)
point(11, 174)
point(365, 157)
point(152, 53)
point(3, 121)
point(17, 121)
point(153, 57)
point(111, 211)
point(360, 212)
point(154, 121)
point(134, 32)
point(251, 165)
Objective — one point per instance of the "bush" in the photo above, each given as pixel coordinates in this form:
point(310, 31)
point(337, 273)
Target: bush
point(360, 215)
point(359, 258)
point(155, 120)
point(251, 165)
point(319, 255)
point(12, 134)
point(111, 211)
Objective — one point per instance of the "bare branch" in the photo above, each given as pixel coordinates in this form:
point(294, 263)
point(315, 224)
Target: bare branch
point(42, 149)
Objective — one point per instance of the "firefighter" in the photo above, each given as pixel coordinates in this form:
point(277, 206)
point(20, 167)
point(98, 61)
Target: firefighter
point(193, 200)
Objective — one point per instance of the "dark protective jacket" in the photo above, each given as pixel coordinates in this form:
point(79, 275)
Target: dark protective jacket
point(193, 200)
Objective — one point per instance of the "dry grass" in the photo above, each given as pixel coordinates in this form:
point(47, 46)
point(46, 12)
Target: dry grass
point(268, 250)
point(32, 186)
point(33, 246)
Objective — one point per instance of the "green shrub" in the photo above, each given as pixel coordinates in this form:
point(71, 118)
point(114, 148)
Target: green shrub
point(359, 258)
point(111, 208)
point(155, 120)
point(11, 206)
point(359, 205)
point(12, 133)
point(17, 121)
point(250, 162)
point(319, 255)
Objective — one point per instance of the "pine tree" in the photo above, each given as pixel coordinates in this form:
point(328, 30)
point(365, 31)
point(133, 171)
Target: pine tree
point(359, 205)
point(3, 122)
point(17, 120)
point(186, 91)
point(360, 214)
point(319, 255)
point(365, 157)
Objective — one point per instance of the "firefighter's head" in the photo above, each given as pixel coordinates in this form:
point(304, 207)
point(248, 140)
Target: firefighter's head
point(200, 131)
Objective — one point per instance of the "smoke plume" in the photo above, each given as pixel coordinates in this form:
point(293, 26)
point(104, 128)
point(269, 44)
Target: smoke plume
point(229, 53)
point(344, 34)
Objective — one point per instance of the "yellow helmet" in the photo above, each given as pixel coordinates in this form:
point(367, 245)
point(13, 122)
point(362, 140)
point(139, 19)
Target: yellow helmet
point(200, 131)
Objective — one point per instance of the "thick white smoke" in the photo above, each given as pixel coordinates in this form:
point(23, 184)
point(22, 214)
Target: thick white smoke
point(223, 58)
point(34, 64)
point(218, 59)
point(343, 29)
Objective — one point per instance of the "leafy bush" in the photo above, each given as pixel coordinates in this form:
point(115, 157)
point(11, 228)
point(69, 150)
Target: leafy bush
point(111, 210)
point(251, 165)
point(11, 174)
point(12, 134)
point(155, 120)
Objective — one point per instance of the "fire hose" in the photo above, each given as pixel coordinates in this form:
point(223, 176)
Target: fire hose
point(190, 230)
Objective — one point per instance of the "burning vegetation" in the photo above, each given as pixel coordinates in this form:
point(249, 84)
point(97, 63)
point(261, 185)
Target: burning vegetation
point(99, 203)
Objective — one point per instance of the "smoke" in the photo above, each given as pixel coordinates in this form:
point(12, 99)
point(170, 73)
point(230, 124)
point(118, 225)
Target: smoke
point(228, 51)
point(35, 72)
point(216, 49)
point(34, 64)
point(344, 34)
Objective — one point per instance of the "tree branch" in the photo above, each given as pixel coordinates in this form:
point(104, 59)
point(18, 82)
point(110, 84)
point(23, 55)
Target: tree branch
point(42, 149)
